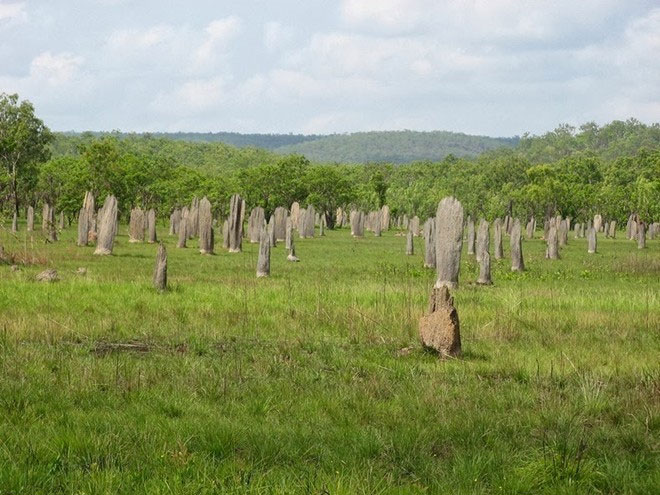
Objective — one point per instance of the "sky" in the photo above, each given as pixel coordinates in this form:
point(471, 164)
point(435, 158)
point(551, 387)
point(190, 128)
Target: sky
point(490, 67)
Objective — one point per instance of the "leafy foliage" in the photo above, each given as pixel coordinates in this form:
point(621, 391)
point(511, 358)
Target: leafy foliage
point(23, 143)
point(613, 170)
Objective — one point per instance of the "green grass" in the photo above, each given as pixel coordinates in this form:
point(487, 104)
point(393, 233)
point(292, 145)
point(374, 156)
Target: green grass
point(295, 383)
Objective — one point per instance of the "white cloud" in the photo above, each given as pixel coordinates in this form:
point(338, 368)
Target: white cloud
point(113, 3)
point(252, 89)
point(55, 69)
point(486, 21)
point(171, 49)
point(136, 39)
point(276, 36)
point(491, 66)
point(192, 97)
point(295, 86)
point(632, 66)
point(12, 12)
point(391, 15)
point(218, 34)
point(399, 61)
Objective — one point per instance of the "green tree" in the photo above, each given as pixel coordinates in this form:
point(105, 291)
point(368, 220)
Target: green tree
point(62, 182)
point(24, 142)
point(273, 185)
point(329, 188)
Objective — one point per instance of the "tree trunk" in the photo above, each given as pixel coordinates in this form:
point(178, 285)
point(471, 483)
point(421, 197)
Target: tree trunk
point(14, 188)
point(330, 218)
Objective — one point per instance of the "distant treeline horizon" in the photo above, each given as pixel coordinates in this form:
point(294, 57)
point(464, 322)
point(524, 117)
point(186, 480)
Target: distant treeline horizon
point(356, 147)
point(613, 170)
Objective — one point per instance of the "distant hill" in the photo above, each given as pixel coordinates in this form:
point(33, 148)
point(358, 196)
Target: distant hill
point(395, 146)
point(213, 157)
point(265, 141)
point(361, 147)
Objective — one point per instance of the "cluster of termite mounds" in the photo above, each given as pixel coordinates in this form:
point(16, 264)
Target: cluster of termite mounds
point(443, 236)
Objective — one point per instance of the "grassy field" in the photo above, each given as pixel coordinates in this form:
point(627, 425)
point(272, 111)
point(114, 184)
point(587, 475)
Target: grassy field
point(298, 383)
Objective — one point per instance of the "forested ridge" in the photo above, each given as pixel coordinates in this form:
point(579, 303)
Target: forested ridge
point(395, 146)
point(360, 147)
point(240, 140)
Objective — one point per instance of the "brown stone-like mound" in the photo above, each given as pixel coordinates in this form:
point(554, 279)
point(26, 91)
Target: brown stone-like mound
point(49, 275)
point(439, 330)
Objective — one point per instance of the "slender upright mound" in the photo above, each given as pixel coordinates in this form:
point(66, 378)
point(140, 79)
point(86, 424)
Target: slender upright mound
point(499, 251)
point(151, 226)
point(641, 235)
point(357, 223)
point(629, 226)
point(107, 227)
point(306, 222)
point(552, 251)
point(378, 224)
point(598, 222)
point(563, 232)
point(52, 227)
point(255, 222)
point(440, 329)
point(592, 241)
point(612, 229)
point(448, 241)
point(160, 271)
point(206, 239)
point(193, 219)
point(235, 224)
point(83, 228)
point(280, 214)
point(45, 212)
point(295, 214)
point(429, 243)
point(30, 219)
point(271, 231)
point(183, 229)
point(484, 270)
point(515, 243)
point(483, 239)
point(225, 234)
point(288, 238)
point(385, 217)
point(90, 208)
point(136, 225)
point(410, 246)
point(531, 225)
point(633, 229)
point(175, 219)
point(339, 217)
point(471, 237)
point(263, 262)
point(323, 224)
point(413, 226)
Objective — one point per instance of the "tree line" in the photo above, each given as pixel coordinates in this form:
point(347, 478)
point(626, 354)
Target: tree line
point(613, 170)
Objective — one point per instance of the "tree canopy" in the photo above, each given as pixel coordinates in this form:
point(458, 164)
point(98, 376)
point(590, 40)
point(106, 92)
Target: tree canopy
point(613, 170)
point(24, 143)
